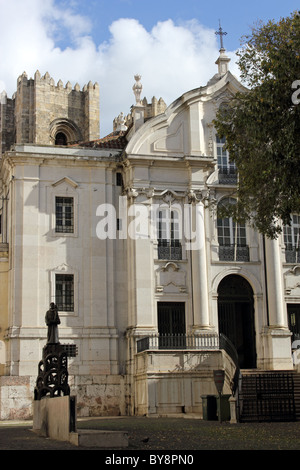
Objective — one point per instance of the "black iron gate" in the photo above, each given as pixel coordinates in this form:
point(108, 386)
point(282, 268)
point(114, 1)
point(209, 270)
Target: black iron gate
point(267, 397)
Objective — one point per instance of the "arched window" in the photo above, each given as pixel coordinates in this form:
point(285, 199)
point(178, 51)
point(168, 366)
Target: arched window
point(64, 132)
point(169, 234)
point(60, 139)
point(231, 237)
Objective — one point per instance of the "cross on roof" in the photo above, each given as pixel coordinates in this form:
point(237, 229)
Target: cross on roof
point(221, 33)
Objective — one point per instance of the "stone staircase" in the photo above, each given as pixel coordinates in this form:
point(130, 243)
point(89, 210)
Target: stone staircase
point(269, 396)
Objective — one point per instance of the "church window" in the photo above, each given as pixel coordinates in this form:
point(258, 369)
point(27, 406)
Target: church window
point(64, 292)
point(232, 238)
point(291, 234)
point(119, 179)
point(169, 243)
point(64, 210)
point(60, 139)
point(227, 169)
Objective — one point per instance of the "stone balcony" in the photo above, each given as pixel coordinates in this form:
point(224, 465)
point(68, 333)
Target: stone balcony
point(172, 373)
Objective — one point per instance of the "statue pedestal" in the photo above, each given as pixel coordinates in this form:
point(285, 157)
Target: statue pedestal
point(53, 373)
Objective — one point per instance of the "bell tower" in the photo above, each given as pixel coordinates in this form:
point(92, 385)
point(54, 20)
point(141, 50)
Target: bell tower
point(45, 113)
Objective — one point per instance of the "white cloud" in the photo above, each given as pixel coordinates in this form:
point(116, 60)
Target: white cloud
point(171, 58)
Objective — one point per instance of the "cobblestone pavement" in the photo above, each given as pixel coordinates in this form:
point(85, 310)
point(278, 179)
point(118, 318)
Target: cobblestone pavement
point(165, 434)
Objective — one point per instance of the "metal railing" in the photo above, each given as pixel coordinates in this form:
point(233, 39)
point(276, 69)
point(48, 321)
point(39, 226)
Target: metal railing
point(203, 342)
point(227, 175)
point(292, 255)
point(233, 253)
point(169, 249)
point(183, 341)
point(268, 396)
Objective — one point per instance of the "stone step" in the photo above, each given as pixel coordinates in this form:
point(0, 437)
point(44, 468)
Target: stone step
point(95, 438)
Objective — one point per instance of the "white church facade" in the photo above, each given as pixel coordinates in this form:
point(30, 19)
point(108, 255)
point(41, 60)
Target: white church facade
point(123, 234)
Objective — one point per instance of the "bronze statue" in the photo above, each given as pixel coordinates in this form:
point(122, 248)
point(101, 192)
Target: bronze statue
point(52, 320)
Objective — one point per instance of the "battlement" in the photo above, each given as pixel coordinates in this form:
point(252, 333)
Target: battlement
point(46, 79)
point(44, 112)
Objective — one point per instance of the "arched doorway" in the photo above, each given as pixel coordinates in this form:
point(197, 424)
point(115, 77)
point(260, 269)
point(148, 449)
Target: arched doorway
point(60, 139)
point(236, 317)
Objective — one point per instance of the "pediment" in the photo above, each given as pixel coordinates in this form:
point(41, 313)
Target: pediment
point(63, 268)
point(65, 180)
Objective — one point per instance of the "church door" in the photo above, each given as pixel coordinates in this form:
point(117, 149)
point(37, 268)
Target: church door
point(236, 317)
point(171, 325)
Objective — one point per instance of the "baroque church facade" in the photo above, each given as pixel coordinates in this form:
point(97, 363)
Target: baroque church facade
point(153, 289)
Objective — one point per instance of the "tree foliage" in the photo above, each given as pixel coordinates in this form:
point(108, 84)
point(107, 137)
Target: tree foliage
point(262, 126)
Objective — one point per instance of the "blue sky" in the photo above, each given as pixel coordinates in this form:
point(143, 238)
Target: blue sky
point(236, 16)
point(171, 43)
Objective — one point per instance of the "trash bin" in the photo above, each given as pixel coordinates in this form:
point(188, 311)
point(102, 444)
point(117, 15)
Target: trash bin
point(223, 407)
point(209, 406)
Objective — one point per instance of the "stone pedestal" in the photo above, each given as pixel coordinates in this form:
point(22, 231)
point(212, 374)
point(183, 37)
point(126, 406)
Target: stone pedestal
point(52, 377)
point(233, 413)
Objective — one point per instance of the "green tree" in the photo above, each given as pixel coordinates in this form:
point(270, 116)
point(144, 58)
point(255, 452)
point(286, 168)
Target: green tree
point(262, 126)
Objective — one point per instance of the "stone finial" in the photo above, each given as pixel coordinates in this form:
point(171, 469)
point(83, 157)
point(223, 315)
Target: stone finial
point(137, 89)
point(222, 62)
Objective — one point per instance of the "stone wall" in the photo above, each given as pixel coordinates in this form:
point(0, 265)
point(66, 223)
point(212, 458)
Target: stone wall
point(101, 395)
point(16, 395)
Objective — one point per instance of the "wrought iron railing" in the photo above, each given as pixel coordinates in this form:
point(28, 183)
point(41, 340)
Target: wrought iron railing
point(233, 253)
point(292, 255)
point(183, 341)
point(227, 175)
point(226, 344)
point(169, 249)
point(203, 342)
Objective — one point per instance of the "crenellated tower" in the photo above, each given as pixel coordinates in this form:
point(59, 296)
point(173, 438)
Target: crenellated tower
point(42, 112)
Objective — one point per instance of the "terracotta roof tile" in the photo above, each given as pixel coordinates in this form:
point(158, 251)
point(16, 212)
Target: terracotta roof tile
point(114, 140)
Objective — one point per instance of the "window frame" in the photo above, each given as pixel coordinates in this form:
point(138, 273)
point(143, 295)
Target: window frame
point(64, 188)
point(67, 304)
point(232, 237)
point(65, 270)
point(65, 215)
point(223, 156)
point(291, 239)
point(169, 233)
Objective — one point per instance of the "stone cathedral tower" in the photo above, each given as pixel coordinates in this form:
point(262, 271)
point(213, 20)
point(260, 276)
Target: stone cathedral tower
point(41, 112)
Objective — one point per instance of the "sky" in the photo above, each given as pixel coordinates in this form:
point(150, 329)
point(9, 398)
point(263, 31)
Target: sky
point(171, 43)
